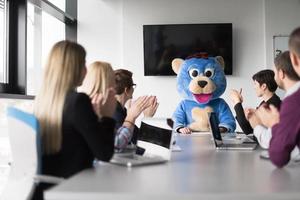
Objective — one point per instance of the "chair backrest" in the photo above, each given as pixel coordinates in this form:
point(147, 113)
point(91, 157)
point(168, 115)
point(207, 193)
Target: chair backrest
point(26, 153)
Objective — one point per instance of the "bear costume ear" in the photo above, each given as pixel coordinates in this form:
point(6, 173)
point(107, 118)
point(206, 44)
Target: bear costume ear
point(220, 60)
point(176, 64)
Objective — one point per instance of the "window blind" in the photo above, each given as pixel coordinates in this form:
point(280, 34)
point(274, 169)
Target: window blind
point(1, 4)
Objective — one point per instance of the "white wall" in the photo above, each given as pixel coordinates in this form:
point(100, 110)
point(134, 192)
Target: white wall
point(112, 30)
point(281, 18)
point(100, 30)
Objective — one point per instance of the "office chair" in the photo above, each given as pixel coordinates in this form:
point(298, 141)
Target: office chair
point(25, 142)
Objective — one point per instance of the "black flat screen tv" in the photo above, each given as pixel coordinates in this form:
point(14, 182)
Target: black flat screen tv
point(163, 43)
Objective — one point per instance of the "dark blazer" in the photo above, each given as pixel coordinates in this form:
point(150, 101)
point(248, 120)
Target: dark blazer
point(84, 138)
point(119, 115)
point(241, 118)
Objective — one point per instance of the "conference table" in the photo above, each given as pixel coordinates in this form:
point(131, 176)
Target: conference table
point(199, 171)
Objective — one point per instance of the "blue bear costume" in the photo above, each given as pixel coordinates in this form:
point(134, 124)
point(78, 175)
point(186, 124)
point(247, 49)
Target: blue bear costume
point(201, 81)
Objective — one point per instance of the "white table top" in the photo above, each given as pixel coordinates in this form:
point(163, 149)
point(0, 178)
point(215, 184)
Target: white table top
point(198, 171)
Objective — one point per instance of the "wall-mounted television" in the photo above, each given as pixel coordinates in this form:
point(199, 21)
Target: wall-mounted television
point(163, 43)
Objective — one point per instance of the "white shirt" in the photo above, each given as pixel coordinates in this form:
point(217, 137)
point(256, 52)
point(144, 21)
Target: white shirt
point(263, 135)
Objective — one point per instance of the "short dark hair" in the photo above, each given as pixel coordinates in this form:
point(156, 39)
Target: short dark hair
point(294, 41)
point(283, 62)
point(123, 79)
point(266, 77)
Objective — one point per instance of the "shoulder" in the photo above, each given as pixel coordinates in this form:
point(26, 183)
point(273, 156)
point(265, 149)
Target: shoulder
point(75, 99)
point(275, 100)
point(296, 95)
point(292, 102)
point(119, 108)
point(76, 96)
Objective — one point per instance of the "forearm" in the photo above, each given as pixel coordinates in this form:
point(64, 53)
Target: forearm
point(241, 119)
point(280, 145)
point(123, 136)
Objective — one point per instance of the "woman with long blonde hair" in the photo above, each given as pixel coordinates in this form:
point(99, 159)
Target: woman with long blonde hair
point(72, 133)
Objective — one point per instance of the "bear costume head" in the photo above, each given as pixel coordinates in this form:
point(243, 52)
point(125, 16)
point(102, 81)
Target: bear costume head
point(200, 78)
point(201, 81)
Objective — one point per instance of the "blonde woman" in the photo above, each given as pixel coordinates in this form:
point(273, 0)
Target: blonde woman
point(100, 76)
point(72, 134)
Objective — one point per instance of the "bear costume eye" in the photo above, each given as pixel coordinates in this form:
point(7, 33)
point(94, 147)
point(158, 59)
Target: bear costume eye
point(209, 73)
point(193, 73)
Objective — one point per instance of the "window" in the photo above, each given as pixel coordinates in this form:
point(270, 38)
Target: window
point(33, 26)
point(3, 68)
point(40, 39)
point(61, 4)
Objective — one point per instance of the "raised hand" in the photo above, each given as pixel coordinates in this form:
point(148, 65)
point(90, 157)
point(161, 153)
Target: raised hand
point(150, 111)
point(236, 96)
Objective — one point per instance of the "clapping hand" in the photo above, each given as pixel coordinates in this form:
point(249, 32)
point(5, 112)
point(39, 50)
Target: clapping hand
point(269, 116)
point(249, 112)
point(137, 107)
point(105, 104)
point(150, 111)
point(254, 120)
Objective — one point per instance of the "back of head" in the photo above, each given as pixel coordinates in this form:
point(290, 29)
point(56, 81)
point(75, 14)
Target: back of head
point(123, 79)
point(266, 77)
point(283, 62)
point(63, 73)
point(294, 41)
point(100, 76)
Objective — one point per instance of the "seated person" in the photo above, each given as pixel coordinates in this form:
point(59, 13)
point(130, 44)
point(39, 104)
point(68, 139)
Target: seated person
point(286, 78)
point(72, 134)
point(285, 124)
point(265, 87)
point(124, 92)
point(100, 76)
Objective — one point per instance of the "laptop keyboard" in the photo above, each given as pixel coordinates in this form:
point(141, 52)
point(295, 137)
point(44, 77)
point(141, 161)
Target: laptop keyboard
point(237, 145)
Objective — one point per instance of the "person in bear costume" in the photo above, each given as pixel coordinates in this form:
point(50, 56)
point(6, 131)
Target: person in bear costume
point(201, 81)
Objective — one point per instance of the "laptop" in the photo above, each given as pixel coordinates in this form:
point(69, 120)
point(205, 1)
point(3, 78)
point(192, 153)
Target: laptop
point(155, 138)
point(219, 144)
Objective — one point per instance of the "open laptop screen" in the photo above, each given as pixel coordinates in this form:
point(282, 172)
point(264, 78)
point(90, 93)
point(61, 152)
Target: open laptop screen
point(155, 135)
point(214, 125)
